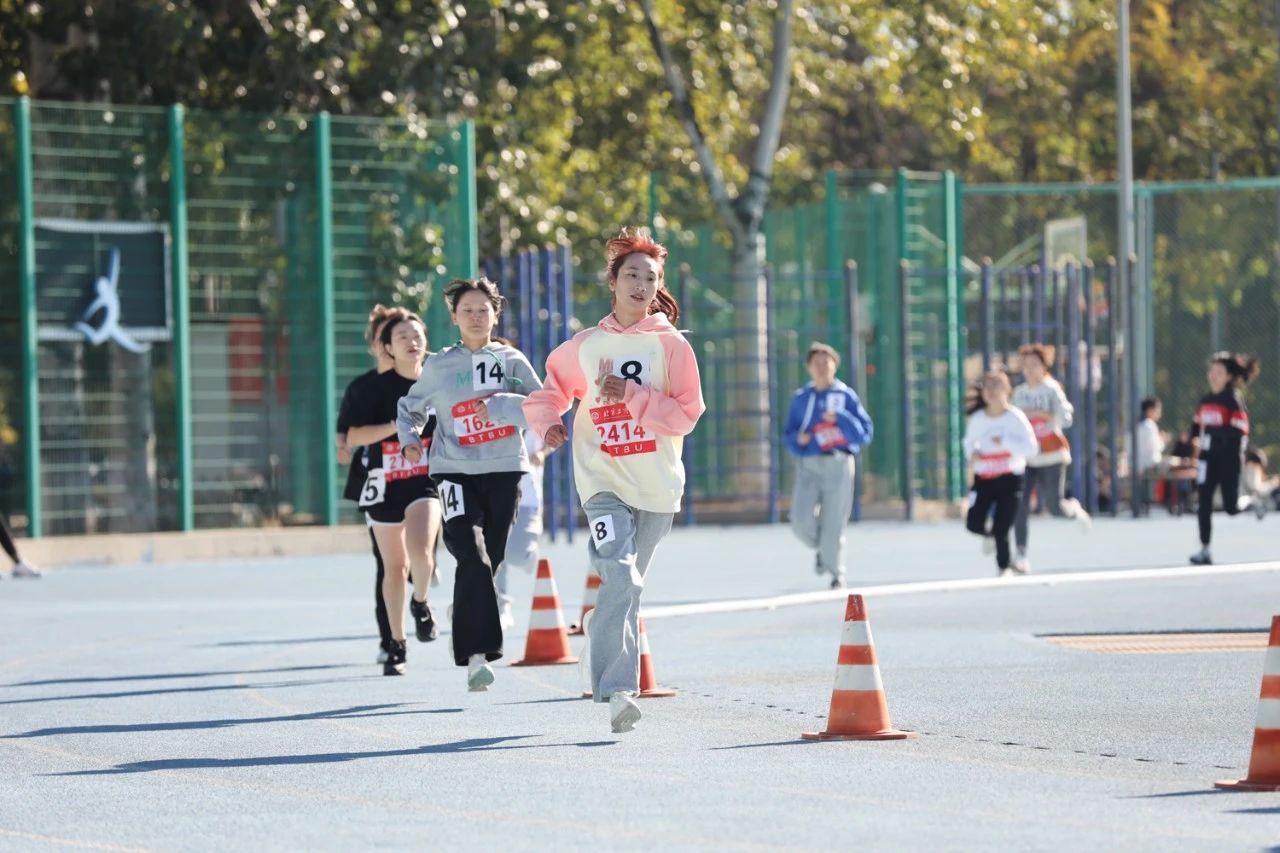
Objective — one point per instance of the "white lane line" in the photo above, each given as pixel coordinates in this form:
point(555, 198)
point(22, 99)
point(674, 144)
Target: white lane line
point(741, 605)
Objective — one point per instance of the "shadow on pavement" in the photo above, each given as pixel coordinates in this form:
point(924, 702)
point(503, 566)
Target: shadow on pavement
point(175, 675)
point(290, 642)
point(486, 744)
point(353, 713)
point(212, 688)
point(796, 742)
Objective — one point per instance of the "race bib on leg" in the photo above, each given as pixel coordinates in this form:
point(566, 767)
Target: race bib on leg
point(453, 499)
point(602, 530)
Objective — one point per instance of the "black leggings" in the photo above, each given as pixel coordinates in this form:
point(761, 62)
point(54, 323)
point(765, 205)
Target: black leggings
point(1002, 493)
point(1217, 474)
point(379, 603)
point(478, 511)
point(6, 540)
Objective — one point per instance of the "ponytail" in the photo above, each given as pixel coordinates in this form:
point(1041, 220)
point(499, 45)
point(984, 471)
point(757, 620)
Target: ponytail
point(1242, 368)
point(666, 303)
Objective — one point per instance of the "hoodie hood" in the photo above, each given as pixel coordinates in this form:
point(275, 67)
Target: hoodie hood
point(653, 323)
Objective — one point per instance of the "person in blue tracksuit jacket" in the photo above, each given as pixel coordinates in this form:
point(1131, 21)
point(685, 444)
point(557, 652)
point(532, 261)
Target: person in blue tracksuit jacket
point(826, 426)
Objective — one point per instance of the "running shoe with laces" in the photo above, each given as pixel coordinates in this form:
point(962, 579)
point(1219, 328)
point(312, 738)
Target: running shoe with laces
point(624, 713)
point(1020, 565)
point(26, 570)
point(424, 623)
point(479, 674)
point(396, 654)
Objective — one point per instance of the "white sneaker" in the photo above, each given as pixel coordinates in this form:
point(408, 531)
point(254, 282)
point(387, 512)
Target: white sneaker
point(624, 713)
point(1202, 558)
point(26, 570)
point(506, 617)
point(1078, 513)
point(479, 674)
point(1021, 565)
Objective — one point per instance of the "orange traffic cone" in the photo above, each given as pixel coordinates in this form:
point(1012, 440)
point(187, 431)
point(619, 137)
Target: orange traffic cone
point(649, 688)
point(858, 707)
point(548, 640)
point(588, 602)
point(1264, 761)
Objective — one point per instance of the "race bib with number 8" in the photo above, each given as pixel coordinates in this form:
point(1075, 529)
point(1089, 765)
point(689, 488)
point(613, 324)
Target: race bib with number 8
point(602, 529)
point(452, 498)
point(375, 488)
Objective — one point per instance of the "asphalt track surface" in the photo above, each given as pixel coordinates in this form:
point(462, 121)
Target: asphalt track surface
point(236, 705)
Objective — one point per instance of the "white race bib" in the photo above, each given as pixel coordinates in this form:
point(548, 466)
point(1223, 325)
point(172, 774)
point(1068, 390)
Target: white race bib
point(452, 498)
point(602, 529)
point(488, 373)
point(375, 488)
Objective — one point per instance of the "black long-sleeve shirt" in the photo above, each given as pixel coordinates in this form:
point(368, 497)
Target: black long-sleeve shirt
point(1222, 423)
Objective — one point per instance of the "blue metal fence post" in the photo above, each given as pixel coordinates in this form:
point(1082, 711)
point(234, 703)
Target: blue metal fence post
point(1038, 296)
point(774, 461)
point(1072, 375)
point(857, 370)
point(1132, 398)
point(544, 263)
point(686, 451)
point(1090, 394)
point(569, 490)
point(1113, 380)
point(908, 417)
point(988, 322)
point(1024, 294)
point(524, 329)
point(28, 318)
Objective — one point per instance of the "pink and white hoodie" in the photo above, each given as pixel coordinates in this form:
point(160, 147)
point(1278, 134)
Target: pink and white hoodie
point(630, 448)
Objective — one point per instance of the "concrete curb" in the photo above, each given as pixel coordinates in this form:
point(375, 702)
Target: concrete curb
point(175, 547)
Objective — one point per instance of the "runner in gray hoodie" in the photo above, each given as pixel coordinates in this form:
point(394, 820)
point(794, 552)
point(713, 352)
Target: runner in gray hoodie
point(477, 456)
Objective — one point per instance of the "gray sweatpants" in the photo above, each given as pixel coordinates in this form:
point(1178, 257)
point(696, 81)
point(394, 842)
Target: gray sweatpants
point(623, 540)
point(820, 506)
point(1049, 484)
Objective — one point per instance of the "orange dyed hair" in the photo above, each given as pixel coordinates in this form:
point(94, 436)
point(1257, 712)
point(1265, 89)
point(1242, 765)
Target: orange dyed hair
point(631, 241)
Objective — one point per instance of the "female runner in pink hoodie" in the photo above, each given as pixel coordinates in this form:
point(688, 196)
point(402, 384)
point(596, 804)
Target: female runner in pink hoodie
point(638, 380)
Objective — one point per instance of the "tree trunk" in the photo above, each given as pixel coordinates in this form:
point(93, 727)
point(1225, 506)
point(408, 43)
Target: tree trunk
point(752, 454)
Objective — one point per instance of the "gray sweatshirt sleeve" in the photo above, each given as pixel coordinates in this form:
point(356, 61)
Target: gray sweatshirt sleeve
point(507, 407)
point(411, 411)
point(1063, 412)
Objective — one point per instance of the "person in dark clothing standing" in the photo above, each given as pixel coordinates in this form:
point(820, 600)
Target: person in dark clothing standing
point(352, 401)
point(1221, 427)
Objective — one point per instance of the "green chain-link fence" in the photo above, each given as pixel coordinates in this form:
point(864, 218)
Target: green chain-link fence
point(294, 226)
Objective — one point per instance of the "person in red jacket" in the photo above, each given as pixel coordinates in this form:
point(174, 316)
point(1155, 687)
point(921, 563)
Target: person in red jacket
point(1221, 427)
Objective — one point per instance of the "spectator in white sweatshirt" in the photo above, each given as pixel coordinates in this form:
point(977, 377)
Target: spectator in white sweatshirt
point(998, 441)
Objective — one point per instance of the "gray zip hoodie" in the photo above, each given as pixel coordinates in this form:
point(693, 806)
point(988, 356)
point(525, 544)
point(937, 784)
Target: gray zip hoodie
point(452, 382)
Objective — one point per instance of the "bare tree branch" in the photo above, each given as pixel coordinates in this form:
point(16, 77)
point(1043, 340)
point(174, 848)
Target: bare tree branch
point(684, 112)
point(756, 193)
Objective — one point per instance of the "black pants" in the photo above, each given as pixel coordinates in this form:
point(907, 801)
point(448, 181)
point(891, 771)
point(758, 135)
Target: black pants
point(1218, 474)
point(1003, 493)
point(6, 540)
point(478, 510)
point(380, 603)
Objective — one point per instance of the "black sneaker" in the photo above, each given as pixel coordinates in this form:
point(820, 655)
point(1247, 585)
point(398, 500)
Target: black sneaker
point(396, 653)
point(423, 622)
point(1202, 558)
point(837, 582)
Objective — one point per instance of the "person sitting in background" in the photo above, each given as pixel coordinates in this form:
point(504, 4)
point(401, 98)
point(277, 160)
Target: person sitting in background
point(1264, 490)
point(1151, 441)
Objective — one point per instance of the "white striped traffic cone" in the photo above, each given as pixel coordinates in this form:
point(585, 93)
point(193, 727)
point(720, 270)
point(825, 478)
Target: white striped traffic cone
point(649, 688)
point(859, 710)
point(588, 601)
point(548, 639)
point(1264, 761)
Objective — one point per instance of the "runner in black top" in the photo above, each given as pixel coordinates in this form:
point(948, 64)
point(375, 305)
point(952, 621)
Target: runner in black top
point(399, 498)
point(358, 467)
point(1221, 427)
